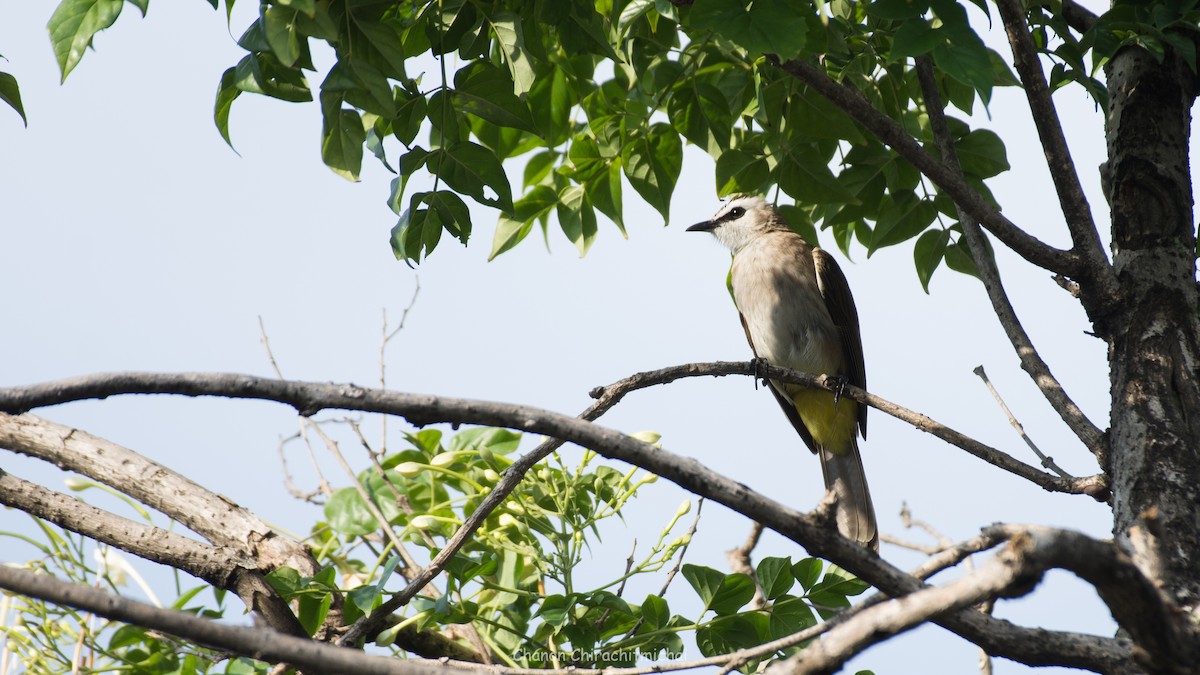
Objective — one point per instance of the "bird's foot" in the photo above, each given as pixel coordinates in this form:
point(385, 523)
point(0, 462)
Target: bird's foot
point(836, 384)
point(757, 365)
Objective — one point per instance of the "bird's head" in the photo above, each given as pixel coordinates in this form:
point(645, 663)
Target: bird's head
point(741, 220)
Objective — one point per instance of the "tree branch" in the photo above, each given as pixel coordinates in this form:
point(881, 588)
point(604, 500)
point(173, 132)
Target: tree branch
point(853, 103)
point(1078, 17)
point(1031, 360)
point(257, 643)
point(212, 516)
point(309, 398)
point(1015, 571)
point(1078, 214)
point(222, 567)
point(1034, 647)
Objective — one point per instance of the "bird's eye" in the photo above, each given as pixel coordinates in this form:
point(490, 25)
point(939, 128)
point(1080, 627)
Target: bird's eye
point(736, 212)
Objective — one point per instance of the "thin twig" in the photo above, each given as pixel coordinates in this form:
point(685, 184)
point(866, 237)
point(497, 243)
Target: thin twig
point(1047, 461)
point(384, 341)
point(1031, 361)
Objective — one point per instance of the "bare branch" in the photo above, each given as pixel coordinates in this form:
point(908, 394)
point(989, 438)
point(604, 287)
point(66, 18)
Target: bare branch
point(853, 103)
point(1075, 208)
point(212, 516)
point(222, 567)
point(740, 561)
point(257, 643)
point(999, 637)
point(1047, 461)
point(1031, 361)
point(310, 398)
point(1015, 571)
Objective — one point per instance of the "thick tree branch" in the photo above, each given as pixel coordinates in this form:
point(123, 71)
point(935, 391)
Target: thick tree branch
point(222, 567)
point(309, 398)
point(1031, 551)
point(853, 103)
point(1085, 238)
point(212, 516)
point(999, 637)
point(1031, 360)
point(257, 643)
point(1078, 17)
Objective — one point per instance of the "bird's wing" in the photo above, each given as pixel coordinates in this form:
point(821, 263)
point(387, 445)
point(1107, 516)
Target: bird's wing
point(836, 292)
point(789, 408)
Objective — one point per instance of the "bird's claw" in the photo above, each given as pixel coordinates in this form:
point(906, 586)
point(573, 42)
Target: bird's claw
point(756, 367)
point(836, 384)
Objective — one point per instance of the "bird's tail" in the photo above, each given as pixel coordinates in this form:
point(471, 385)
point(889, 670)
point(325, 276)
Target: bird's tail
point(855, 513)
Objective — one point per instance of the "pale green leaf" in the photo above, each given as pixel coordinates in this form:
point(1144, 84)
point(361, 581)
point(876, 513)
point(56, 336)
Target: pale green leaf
point(73, 25)
point(507, 27)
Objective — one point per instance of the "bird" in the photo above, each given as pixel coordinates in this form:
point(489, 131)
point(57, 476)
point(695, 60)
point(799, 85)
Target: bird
point(798, 313)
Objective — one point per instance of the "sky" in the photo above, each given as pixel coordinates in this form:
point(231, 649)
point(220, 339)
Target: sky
point(133, 238)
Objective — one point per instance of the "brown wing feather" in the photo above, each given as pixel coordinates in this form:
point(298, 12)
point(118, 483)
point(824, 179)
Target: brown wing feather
point(789, 408)
point(840, 304)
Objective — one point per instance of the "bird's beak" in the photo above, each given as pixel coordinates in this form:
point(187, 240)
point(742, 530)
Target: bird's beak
point(706, 226)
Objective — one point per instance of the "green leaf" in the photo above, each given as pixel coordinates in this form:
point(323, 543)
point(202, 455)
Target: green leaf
point(701, 113)
point(981, 153)
point(958, 258)
point(347, 514)
point(898, 10)
point(728, 635)
point(704, 580)
point(10, 93)
point(486, 92)
point(734, 591)
point(73, 25)
point(507, 27)
point(968, 63)
point(914, 38)
point(904, 218)
point(765, 27)
point(604, 191)
point(652, 161)
point(469, 169)
point(928, 253)
point(551, 99)
point(807, 572)
point(263, 74)
point(655, 612)
point(775, 576)
point(576, 217)
point(808, 180)
point(512, 229)
point(227, 93)
point(556, 608)
point(739, 171)
point(538, 167)
point(308, 7)
point(790, 615)
point(279, 25)
point(342, 137)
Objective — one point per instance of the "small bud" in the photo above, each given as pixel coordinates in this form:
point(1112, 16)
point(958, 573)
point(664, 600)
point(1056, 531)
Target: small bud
point(444, 459)
point(650, 437)
point(410, 469)
point(78, 483)
point(422, 522)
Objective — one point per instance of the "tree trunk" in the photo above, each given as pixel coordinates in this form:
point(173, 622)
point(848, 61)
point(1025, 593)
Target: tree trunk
point(1154, 332)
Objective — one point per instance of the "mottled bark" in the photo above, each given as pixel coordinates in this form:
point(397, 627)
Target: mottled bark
point(1154, 332)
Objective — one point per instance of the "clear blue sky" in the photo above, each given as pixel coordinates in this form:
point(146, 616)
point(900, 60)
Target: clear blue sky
point(133, 238)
